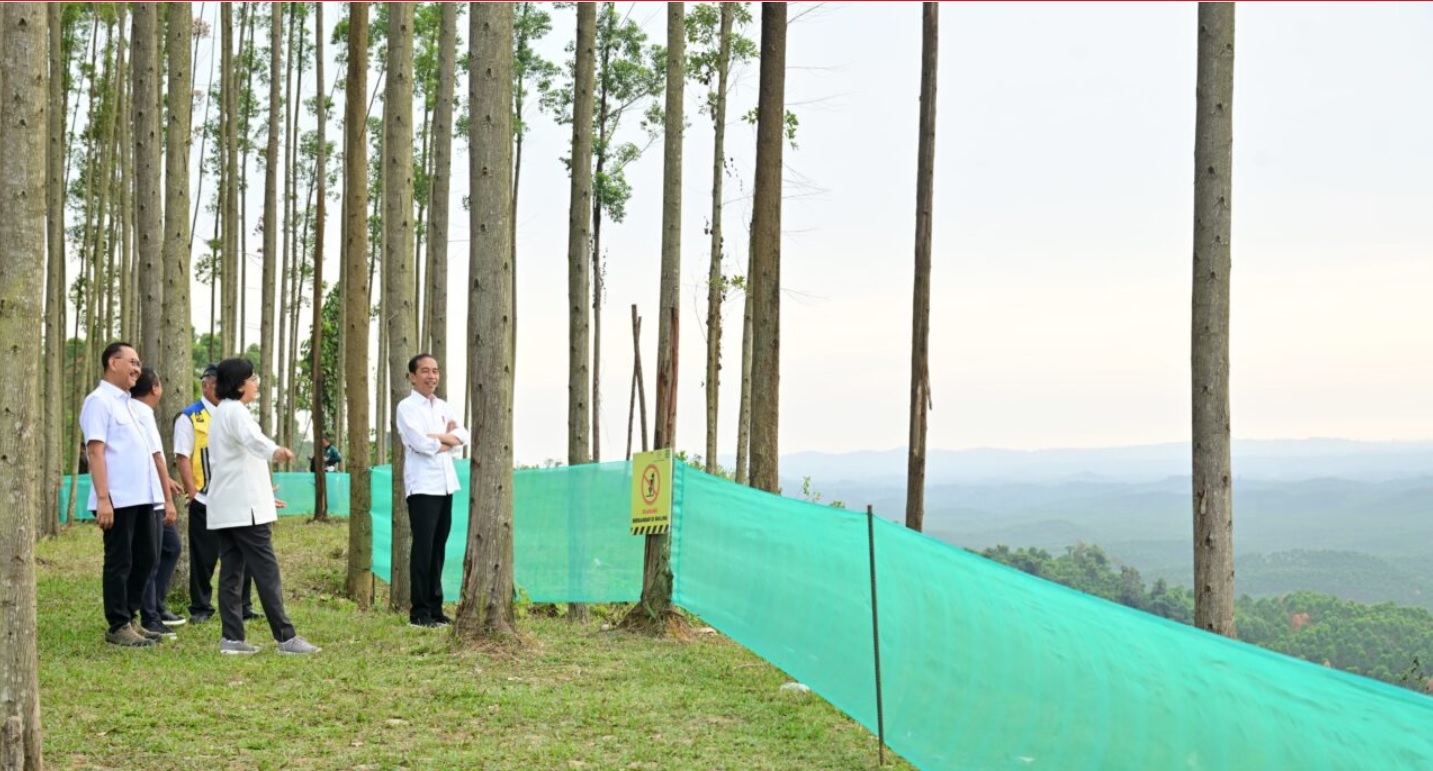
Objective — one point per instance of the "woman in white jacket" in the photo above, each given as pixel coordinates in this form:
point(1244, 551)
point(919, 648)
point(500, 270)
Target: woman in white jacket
point(242, 511)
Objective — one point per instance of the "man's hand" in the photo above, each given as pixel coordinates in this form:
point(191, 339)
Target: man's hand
point(282, 454)
point(177, 489)
point(278, 504)
point(452, 426)
point(104, 514)
point(170, 514)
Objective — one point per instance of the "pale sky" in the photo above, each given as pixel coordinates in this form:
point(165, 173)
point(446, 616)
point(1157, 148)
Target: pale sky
point(1062, 235)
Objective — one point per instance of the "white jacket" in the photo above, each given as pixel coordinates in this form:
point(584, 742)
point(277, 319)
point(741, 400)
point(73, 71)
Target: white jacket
point(241, 490)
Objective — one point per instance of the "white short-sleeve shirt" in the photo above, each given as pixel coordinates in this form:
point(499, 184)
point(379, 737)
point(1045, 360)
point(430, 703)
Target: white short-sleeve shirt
point(107, 417)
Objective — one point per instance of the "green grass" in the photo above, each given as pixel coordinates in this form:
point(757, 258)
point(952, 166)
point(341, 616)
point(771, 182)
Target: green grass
point(383, 695)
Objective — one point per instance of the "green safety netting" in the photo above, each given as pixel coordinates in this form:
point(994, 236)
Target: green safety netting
point(571, 541)
point(296, 489)
point(983, 667)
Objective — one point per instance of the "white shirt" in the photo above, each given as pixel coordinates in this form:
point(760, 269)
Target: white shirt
point(184, 441)
point(129, 461)
point(145, 413)
point(241, 491)
point(427, 466)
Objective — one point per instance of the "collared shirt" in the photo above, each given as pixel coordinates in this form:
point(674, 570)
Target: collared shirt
point(184, 446)
point(129, 461)
point(145, 413)
point(427, 466)
point(242, 490)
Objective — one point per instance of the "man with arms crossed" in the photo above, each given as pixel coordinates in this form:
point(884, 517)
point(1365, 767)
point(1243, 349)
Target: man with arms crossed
point(430, 434)
point(123, 492)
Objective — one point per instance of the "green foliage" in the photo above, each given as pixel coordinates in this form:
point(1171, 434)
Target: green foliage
point(631, 77)
point(703, 22)
point(1384, 641)
point(791, 124)
point(531, 24)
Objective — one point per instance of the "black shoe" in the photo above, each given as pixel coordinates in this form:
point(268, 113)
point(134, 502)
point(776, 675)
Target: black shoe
point(424, 623)
point(170, 619)
point(442, 620)
point(157, 629)
point(201, 617)
point(250, 615)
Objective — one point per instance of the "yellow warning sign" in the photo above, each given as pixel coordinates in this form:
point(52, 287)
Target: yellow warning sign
point(652, 492)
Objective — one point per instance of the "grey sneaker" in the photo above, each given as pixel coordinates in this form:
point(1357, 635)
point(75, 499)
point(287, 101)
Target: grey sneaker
point(126, 637)
point(236, 647)
point(297, 646)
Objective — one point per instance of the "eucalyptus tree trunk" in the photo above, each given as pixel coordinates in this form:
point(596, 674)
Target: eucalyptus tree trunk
point(656, 602)
point(54, 380)
point(271, 224)
point(578, 237)
point(355, 308)
point(485, 609)
point(149, 222)
point(398, 265)
point(920, 304)
point(1209, 346)
point(716, 283)
point(23, 132)
point(177, 332)
point(320, 477)
point(766, 251)
point(228, 119)
point(436, 325)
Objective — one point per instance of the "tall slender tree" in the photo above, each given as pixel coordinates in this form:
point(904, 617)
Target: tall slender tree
point(271, 223)
point(766, 250)
point(356, 314)
point(54, 383)
point(436, 326)
point(149, 215)
point(920, 304)
point(24, 70)
point(320, 476)
point(486, 606)
point(229, 142)
point(656, 602)
point(1209, 346)
point(398, 264)
point(177, 332)
point(579, 235)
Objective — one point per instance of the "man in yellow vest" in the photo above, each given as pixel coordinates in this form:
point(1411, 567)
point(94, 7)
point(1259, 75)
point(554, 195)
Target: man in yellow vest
point(191, 440)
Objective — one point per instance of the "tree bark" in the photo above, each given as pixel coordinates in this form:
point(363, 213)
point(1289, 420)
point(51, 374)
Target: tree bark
point(149, 232)
point(398, 265)
point(228, 118)
point(1209, 346)
point(486, 607)
point(437, 300)
point(579, 236)
point(177, 331)
point(54, 382)
point(920, 304)
point(656, 602)
point(271, 224)
point(356, 317)
point(716, 284)
point(766, 251)
point(320, 477)
point(23, 131)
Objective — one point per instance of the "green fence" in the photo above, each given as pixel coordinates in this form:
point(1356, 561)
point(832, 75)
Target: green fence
point(983, 667)
point(296, 490)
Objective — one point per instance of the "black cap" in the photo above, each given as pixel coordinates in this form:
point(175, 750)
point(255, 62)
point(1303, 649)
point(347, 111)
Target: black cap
point(210, 371)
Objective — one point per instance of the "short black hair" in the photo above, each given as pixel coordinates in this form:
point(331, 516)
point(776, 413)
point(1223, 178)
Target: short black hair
point(232, 374)
point(147, 382)
point(111, 351)
point(413, 362)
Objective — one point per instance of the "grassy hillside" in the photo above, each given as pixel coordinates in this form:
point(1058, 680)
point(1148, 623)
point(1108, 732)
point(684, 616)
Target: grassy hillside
point(384, 695)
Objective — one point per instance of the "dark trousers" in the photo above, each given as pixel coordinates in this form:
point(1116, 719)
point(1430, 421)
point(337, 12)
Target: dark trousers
point(250, 550)
point(129, 554)
point(166, 545)
point(203, 558)
point(431, 518)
